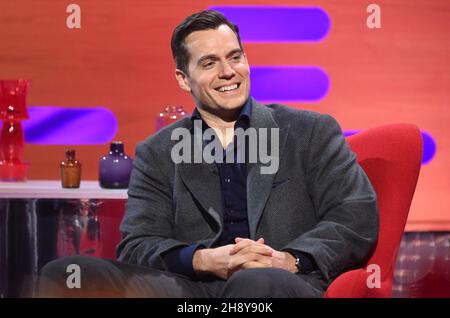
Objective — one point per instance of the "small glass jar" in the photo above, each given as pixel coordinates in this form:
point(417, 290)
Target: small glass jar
point(170, 115)
point(70, 170)
point(115, 167)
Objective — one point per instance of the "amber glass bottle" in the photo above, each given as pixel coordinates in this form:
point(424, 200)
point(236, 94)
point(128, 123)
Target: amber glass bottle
point(70, 170)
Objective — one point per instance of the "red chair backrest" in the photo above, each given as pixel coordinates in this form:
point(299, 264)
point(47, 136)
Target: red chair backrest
point(391, 157)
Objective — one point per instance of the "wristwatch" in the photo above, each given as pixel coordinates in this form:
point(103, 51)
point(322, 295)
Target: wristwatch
point(298, 264)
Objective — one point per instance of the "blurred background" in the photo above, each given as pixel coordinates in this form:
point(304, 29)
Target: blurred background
point(109, 79)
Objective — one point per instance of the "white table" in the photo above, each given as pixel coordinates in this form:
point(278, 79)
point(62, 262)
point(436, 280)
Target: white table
point(41, 221)
point(52, 189)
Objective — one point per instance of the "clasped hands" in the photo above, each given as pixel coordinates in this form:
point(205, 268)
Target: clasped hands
point(225, 260)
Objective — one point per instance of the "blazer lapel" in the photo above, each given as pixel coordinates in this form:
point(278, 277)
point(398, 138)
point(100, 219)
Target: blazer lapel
point(259, 185)
point(202, 181)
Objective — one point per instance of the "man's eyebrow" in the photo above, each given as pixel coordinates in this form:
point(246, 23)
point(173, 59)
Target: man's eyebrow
point(232, 52)
point(207, 57)
point(214, 57)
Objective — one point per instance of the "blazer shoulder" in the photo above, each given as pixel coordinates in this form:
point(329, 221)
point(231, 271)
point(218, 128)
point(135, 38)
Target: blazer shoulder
point(303, 122)
point(284, 114)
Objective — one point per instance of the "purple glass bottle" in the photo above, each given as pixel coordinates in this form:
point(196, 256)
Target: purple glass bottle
point(115, 168)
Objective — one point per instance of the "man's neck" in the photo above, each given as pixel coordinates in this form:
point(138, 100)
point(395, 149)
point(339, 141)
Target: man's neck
point(220, 121)
point(222, 124)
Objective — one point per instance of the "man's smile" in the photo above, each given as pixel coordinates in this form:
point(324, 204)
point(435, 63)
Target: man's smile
point(229, 89)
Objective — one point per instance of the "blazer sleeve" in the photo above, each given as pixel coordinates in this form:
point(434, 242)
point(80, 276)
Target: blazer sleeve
point(344, 201)
point(147, 227)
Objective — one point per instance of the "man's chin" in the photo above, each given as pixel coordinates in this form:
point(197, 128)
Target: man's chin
point(232, 103)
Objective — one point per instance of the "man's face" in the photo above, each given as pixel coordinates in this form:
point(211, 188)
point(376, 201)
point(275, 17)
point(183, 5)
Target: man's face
point(218, 71)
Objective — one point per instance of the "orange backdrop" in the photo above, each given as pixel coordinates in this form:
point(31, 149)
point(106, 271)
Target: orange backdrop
point(120, 59)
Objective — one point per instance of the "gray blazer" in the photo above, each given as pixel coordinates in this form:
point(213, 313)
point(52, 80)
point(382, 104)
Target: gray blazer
point(319, 202)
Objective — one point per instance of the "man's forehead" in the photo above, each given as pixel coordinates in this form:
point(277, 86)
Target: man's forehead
point(206, 41)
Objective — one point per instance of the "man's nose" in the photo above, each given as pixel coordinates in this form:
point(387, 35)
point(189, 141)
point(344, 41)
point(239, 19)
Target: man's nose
point(226, 70)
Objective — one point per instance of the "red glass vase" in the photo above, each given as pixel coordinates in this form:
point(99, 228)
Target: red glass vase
point(12, 140)
point(170, 115)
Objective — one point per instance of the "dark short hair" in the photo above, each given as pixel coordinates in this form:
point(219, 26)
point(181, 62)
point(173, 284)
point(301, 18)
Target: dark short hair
point(204, 20)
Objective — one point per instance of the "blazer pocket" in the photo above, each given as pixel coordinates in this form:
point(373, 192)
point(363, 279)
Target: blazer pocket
point(276, 184)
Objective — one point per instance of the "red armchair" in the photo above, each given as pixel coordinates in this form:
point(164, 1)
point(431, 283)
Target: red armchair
point(391, 157)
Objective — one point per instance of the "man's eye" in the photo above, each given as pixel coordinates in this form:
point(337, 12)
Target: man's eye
point(209, 64)
point(236, 57)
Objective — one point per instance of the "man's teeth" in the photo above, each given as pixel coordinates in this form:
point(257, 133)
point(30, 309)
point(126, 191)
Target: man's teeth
point(228, 88)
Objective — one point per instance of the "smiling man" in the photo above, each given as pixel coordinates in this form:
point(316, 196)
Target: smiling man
point(224, 229)
point(217, 75)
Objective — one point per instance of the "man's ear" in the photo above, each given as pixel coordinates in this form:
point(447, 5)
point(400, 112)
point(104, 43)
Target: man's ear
point(182, 80)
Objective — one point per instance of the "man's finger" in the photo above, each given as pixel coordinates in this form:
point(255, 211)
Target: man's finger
point(256, 248)
point(243, 243)
point(237, 261)
point(240, 245)
point(255, 264)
